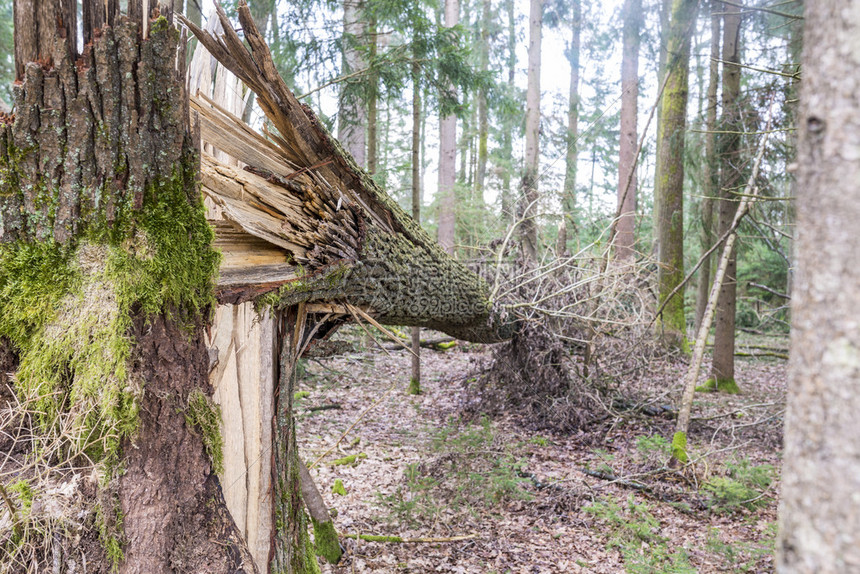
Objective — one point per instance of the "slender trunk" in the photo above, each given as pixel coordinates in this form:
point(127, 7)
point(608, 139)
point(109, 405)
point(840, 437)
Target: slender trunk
point(529, 185)
point(352, 117)
point(483, 121)
point(662, 60)
point(507, 202)
point(415, 380)
point(710, 171)
point(819, 514)
point(568, 200)
point(670, 167)
point(448, 158)
point(625, 237)
point(372, 103)
point(729, 141)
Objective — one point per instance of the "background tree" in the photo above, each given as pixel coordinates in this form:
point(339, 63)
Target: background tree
point(669, 187)
point(729, 140)
point(529, 185)
point(448, 157)
point(625, 237)
point(568, 198)
point(819, 517)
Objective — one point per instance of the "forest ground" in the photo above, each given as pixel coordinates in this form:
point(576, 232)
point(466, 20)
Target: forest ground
point(533, 500)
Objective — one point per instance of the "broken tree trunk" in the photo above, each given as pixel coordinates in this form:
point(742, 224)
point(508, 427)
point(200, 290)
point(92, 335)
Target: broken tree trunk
point(106, 284)
point(343, 238)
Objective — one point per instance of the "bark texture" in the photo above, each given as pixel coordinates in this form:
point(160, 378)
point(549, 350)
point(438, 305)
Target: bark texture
point(729, 143)
point(625, 237)
point(819, 515)
point(670, 172)
point(99, 158)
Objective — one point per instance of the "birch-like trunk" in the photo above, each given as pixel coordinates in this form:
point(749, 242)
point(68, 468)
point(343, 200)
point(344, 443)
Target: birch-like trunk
point(819, 514)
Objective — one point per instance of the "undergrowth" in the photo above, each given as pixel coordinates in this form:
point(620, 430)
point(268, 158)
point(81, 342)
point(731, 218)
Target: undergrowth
point(635, 533)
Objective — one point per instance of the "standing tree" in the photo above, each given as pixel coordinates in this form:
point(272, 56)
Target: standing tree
point(352, 116)
point(669, 186)
point(568, 198)
point(448, 157)
point(529, 185)
point(625, 237)
point(709, 171)
point(819, 514)
point(723, 367)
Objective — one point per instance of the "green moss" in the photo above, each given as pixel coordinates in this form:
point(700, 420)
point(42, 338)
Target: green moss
point(349, 459)
point(728, 386)
point(414, 386)
point(326, 541)
point(25, 494)
point(110, 530)
point(338, 487)
point(375, 538)
point(679, 447)
point(299, 395)
point(203, 414)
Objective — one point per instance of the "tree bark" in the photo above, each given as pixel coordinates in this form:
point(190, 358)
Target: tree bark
point(100, 180)
point(670, 169)
point(446, 229)
point(625, 237)
point(507, 201)
point(729, 142)
point(710, 170)
point(415, 379)
point(819, 514)
point(568, 199)
point(529, 185)
point(483, 121)
point(352, 116)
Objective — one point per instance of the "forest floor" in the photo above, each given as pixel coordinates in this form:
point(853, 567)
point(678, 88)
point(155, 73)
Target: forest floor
point(537, 501)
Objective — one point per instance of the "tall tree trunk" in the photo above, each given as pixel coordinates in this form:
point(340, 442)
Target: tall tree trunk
point(819, 514)
point(729, 142)
point(507, 201)
point(710, 172)
point(529, 184)
point(662, 60)
point(669, 188)
point(352, 116)
point(568, 199)
point(625, 237)
point(448, 158)
point(415, 380)
point(483, 122)
point(101, 200)
point(372, 103)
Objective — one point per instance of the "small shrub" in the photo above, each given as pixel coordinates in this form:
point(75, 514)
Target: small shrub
point(743, 487)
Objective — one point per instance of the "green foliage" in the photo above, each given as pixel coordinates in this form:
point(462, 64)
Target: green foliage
point(655, 444)
point(203, 414)
point(634, 531)
point(743, 556)
point(25, 493)
point(743, 487)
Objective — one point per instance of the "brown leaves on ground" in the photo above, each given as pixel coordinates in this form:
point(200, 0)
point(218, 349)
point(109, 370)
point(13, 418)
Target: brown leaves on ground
point(432, 472)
